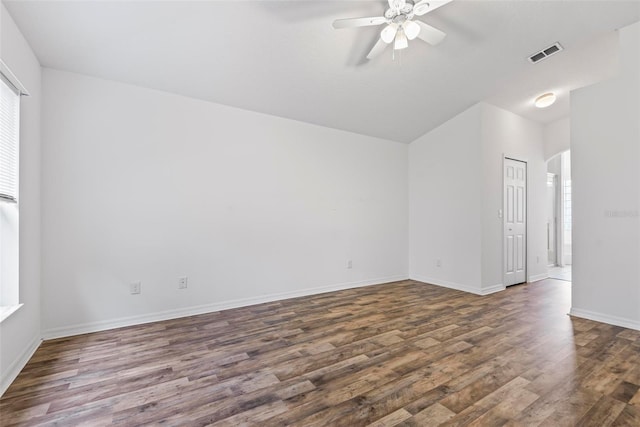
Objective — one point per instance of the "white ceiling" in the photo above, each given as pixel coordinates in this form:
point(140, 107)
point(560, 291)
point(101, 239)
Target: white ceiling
point(284, 58)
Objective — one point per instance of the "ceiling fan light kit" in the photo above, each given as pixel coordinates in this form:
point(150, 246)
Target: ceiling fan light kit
point(401, 26)
point(411, 29)
point(388, 33)
point(401, 40)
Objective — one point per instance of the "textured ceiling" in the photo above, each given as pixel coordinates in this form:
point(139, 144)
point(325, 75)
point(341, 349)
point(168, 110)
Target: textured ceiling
point(284, 58)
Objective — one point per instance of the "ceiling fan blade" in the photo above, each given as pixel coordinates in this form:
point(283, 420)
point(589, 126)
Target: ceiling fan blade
point(431, 35)
point(377, 49)
point(427, 6)
point(359, 22)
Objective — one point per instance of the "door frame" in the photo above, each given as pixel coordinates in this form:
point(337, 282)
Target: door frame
point(557, 196)
point(503, 218)
point(560, 213)
point(560, 195)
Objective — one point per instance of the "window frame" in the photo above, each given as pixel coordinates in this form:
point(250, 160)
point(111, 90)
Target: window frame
point(13, 198)
point(9, 208)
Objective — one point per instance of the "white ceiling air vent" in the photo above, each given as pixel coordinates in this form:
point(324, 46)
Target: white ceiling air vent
point(545, 53)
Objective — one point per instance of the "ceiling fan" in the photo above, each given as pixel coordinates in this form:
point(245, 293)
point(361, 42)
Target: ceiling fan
point(401, 26)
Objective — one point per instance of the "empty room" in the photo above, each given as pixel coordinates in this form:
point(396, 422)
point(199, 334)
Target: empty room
point(319, 213)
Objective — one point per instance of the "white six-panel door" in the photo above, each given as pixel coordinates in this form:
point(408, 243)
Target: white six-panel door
point(515, 222)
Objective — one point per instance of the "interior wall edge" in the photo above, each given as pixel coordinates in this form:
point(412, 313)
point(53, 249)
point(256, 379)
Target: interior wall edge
point(605, 318)
point(21, 333)
point(486, 290)
point(453, 285)
point(18, 364)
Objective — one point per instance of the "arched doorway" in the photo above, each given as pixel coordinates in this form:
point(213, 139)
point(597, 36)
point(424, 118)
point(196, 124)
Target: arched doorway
point(559, 212)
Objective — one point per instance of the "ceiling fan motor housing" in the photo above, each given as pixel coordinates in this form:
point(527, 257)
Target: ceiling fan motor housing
point(399, 8)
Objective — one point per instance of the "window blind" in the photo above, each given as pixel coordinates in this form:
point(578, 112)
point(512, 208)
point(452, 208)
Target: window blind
point(9, 139)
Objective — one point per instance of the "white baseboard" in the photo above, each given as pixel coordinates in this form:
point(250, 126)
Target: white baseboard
point(104, 325)
point(446, 284)
point(16, 366)
point(493, 289)
point(537, 277)
point(605, 318)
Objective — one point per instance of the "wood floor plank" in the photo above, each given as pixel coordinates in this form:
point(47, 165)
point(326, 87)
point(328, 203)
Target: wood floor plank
point(629, 417)
point(604, 413)
point(435, 414)
point(392, 419)
point(403, 353)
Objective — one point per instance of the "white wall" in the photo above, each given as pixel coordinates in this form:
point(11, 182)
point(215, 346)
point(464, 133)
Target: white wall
point(557, 137)
point(605, 152)
point(145, 185)
point(445, 202)
point(505, 134)
point(20, 332)
point(455, 180)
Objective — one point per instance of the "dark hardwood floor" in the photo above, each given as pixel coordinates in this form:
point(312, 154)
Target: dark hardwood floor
point(403, 353)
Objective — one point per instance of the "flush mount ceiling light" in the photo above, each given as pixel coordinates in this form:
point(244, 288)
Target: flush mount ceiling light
point(545, 100)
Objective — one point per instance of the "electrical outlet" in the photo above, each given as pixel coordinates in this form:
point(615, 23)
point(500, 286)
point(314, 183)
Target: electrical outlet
point(538, 259)
point(438, 262)
point(182, 282)
point(135, 288)
point(349, 264)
